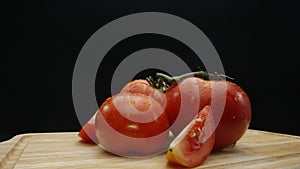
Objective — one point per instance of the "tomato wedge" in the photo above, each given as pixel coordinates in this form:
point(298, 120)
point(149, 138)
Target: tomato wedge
point(88, 133)
point(194, 144)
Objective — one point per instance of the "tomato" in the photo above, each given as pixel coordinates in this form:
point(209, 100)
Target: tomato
point(131, 123)
point(194, 144)
point(87, 132)
point(236, 114)
point(236, 117)
point(143, 87)
point(182, 99)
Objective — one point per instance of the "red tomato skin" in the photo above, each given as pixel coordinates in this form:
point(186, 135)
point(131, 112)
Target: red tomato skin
point(121, 133)
point(183, 102)
point(173, 103)
point(178, 92)
point(189, 148)
point(88, 133)
point(236, 117)
point(237, 110)
point(143, 87)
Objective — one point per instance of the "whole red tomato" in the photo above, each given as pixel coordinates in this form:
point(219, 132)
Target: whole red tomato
point(131, 123)
point(236, 114)
point(236, 117)
point(87, 133)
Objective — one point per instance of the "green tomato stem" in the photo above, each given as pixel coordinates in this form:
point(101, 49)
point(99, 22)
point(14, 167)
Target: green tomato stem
point(176, 79)
point(163, 81)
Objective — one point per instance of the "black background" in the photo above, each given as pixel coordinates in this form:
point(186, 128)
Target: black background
point(256, 40)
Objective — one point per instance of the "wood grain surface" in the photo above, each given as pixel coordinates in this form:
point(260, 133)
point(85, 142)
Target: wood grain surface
point(257, 149)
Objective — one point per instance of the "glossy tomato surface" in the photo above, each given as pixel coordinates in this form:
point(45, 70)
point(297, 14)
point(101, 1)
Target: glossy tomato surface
point(143, 87)
point(131, 123)
point(183, 102)
point(236, 116)
point(87, 133)
point(194, 144)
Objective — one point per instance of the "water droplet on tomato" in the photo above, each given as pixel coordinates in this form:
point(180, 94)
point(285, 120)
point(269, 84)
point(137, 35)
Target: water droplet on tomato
point(193, 99)
point(238, 97)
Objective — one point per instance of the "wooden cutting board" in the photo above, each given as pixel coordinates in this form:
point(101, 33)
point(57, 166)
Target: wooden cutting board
point(257, 149)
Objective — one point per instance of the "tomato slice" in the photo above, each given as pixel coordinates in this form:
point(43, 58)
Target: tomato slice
point(194, 144)
point(88, 133)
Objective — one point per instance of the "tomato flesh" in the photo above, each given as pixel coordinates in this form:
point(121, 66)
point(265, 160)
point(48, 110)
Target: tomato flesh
point(194, 144)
